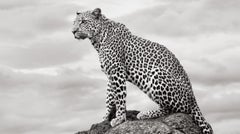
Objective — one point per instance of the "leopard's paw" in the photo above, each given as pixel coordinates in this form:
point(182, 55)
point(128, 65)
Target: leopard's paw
point(116, 121)
point(142, 115)
point(106, 117)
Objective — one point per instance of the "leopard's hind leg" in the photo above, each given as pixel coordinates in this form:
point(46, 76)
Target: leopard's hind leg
point(157, 81)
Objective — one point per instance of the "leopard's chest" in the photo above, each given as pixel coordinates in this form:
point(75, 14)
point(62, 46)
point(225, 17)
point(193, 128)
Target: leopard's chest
point(107, 59)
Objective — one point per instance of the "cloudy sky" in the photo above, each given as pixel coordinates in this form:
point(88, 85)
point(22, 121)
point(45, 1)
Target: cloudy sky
point(51, 83)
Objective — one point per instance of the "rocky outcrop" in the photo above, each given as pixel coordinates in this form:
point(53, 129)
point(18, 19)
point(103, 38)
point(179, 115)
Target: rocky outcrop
point(177, 123)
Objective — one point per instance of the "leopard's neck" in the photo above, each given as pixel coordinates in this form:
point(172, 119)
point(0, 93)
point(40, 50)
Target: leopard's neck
point(109, 30)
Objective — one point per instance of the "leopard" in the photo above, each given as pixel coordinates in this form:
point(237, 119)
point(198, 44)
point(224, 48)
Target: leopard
point(153, 68)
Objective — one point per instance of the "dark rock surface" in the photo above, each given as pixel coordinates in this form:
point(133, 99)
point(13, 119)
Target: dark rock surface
point(177, 123)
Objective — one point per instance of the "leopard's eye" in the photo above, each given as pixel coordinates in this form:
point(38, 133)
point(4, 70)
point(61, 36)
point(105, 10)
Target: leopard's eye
point(84, 21)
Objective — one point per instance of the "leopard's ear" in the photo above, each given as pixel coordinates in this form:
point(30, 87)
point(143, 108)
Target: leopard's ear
point(96, 13)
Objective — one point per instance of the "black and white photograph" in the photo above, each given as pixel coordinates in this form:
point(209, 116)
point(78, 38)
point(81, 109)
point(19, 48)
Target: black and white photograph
point(119, 67)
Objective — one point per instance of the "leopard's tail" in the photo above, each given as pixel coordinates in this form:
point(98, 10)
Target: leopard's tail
point(200, 120)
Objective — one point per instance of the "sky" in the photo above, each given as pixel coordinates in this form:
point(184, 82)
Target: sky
point(51, 83)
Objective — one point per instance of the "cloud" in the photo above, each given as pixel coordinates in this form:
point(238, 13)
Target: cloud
point(217, 99)
point(45, 52)
point(41, 39)
point(223, 127)
point(13, 4)
point(23, 23)
point(186, 19)
point(41, 103)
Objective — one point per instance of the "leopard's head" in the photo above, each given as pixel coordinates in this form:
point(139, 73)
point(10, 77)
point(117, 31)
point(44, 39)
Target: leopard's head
point(87, 24)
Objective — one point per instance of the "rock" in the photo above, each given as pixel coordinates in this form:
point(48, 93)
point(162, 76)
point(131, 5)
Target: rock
point(141, 127)
point(82, 132)
point(177, 123)
point(100, 128)
point(183, 123)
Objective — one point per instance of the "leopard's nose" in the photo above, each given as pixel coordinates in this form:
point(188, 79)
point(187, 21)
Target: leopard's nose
point(74, 30)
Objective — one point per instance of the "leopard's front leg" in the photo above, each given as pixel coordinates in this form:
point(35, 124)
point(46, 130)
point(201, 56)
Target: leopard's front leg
point(110, 102)
point(118, 83)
